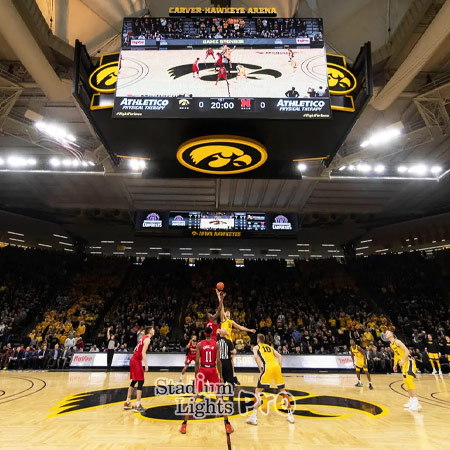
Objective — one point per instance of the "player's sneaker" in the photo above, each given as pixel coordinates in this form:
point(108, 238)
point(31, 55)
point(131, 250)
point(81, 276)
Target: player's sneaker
point(138, 409)
point(434, 372)
point(127, 405)
point(183, 428)
point(228, 428)
point(236, 381)
point(290, 418)
point(359, 384)
point(252, 420)
point(415, 406)
point(440, 372)
point(407, 405)
point(370, 386)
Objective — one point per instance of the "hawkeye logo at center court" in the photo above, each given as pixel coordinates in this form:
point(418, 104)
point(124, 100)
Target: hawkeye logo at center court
point(222, 155)
point(164, 408)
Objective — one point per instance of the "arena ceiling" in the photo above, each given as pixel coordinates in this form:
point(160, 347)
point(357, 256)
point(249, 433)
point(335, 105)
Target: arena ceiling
point(35, 78)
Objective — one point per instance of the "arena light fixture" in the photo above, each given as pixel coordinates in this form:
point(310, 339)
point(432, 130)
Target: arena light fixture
point(15, 233)
point(382, 250)
point(418, 170)
point(185, 248)
point(186, 254)
point(67, 249)
point(55, 162)
point(60, 236)
point(16, 240)
point(96, 253)
point(245, 249)
point(307, 251)
point(127, 242)
point(364, 167)
point(2, 161)
point(94, 247)
point(379, 168)
point(302, 167)
point(302, 245)
point(55, 131)
point(274, 250)
point(251, 254)
point(402, 169)
point(65, 243)
point(16, 161)
point(436, 170)
point(271, 254)
point(351, 167)
point(381, 137)
point(155, 248)
point(367, 240)
point(141, 253)
point(44, 245)
point(107, 242)
point(204, 254)
point(227, 254)
point(342, 168)
point(328, 245)
point(136, 165)
point(361, 248)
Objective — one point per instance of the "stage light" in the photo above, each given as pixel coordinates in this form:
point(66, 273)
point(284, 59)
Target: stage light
point(351, 167)
point(31, 162)
point(75, 163)
point(436, 170)
point(84, 163)
point(402, 169)
point(342, 168)
point(66, 162)
point(91, 163)
point(55, 162)
point(2, 161)
point(381, 137)
point(302, 167)
point(379, 168)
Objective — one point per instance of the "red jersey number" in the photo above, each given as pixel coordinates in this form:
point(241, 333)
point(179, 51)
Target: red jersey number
point(208, 353)
point(140, 345)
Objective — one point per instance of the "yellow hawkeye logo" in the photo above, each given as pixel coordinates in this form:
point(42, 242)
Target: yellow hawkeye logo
point(104, 78)
point(340, 80)
point(222, 155)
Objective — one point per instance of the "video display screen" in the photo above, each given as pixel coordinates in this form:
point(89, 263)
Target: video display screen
point(149, 220)
point(228, 67)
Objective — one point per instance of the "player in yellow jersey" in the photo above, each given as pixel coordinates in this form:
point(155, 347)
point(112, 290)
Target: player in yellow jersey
point(360, 362)
point(408, 366)
point(434, 355)
point(228, 324)
point(447, 349)
point(269, 364)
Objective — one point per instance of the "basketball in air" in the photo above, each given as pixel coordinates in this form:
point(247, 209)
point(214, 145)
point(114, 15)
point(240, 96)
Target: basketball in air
point(220, 286)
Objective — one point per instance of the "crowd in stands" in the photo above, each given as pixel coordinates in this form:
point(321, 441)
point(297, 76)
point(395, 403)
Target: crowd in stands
point(315, 307)
point(217, 28)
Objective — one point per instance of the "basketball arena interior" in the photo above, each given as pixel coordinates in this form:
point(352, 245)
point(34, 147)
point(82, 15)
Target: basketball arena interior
point(224, 224)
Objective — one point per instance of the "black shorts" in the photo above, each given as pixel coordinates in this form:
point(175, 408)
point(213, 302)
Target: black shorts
point(227, 371)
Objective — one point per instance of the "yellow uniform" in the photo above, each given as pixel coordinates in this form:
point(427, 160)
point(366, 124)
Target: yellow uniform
point(408, 369)
point(432, 350)
point(447, 350)
point(360, 360)
point(271, 368)
point(228, 325)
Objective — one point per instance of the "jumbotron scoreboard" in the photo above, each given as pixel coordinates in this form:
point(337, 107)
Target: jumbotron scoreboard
point(231, 67)
point(254, 223)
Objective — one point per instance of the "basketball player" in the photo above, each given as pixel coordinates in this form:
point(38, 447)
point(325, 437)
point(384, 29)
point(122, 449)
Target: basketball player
point(208, 367)
point(219, 62)
point(360, 362)
point(241, 73)
point(226, 51)
point(214, 319)
point(266, 358)
point(195, 69)
point(192, 352)
point(291, 55)
point(227, 323)
point(434, 355)
point(222, 75)
point(137, 371)
point(447, 349)
point(294, 65)
point(408, 366)
point(209, 52)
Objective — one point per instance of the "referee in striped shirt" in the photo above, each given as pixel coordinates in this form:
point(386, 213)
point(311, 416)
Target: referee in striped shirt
point(226, 349)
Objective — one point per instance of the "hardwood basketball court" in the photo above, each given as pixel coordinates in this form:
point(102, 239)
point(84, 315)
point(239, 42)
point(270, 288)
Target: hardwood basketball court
point(84, 410)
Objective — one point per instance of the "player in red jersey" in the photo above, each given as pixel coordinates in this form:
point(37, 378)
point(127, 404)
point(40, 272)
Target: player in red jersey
point(209, 52)
point(214, 319)
point(137, 371)
point(196, 69)
point(208, 368)
point(222, 75)
point(192, 353)
point(219, 62)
